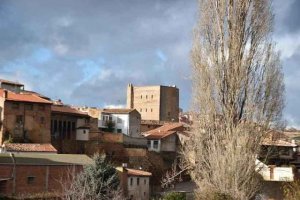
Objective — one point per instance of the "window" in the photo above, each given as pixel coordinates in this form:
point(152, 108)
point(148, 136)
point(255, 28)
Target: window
point(131, 181)
point(144, 193)
point(69, 130)
point(119, 130)
point(146, 110)
point(151, 109)
point(42, 120)
point(141, 96)
point(138, 181)
point(15, 106)
point(146, 96)
point(151, 96)
point(41, 107)
point(155, 144)
point(145, 181)
point(84, 131)
point(30, 180)
point(149, 143)
point(3, 186)
point(73, 126)
point(169, 113)
point(141, 110)
point(28, 107)
point(19, 119)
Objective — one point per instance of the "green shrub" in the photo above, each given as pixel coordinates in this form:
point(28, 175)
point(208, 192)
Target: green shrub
point(174, 196)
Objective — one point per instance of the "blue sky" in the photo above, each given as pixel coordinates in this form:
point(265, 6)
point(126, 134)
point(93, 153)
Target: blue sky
point(86, 52)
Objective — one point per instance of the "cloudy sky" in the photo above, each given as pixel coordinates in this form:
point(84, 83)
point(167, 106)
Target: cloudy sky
point(85, 52)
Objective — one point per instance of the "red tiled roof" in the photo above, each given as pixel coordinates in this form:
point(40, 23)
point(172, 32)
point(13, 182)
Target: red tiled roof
point(32, 98)
point(135, 172)
point(29, 147)
point(277, 138)
point(67, 110)
point(164, 131)
point(118, 111)
point(11, 82)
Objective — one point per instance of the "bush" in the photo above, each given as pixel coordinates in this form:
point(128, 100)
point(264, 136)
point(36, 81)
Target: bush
point(175, 196)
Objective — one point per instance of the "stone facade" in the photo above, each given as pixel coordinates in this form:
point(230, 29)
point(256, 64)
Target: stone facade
point(159, 103)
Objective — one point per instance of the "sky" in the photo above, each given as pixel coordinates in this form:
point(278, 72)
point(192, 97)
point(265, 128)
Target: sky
point(85, 52)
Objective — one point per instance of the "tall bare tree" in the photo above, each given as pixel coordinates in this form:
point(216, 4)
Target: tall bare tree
point(238, 94)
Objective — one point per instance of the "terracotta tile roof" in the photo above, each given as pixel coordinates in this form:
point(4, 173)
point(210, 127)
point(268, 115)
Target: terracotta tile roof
point(29, 147)
point(135, 172)
point(164, 131)
point(32, 98)
point(277, 138)
point(11, 82)
point(67, 110)
point(117, 111)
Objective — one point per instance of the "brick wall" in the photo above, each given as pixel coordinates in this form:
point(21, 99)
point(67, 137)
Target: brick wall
point(35, 179)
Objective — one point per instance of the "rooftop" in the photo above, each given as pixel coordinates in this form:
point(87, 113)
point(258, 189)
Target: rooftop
point(134, 172)
point(118, 111)
point(32, 98)
point(277, 138)
point(11, 82)
point(164, 131)
point(64, 109)
point(29, 147)
point(45, 159)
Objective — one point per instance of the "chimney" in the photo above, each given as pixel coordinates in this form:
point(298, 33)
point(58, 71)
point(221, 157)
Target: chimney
point(5, 94)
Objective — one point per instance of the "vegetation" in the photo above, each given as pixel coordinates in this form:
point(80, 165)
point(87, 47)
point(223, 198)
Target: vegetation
point(97, 181)
point(237, 95)
point(291, 190)
point(174, 196)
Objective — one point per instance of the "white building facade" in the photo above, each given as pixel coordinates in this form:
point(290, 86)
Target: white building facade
point(126, 121)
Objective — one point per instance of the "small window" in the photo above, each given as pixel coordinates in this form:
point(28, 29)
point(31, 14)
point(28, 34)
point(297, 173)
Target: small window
point(155, 144)
point(146, 110)
point(15, 106)
point(138, 181)
point(144, 193)
point(151, 96)
point(146, 96)
point(119, 130)
point(141, 110)
point(3, 186)
point(169, 113)
point(149, 143)
point(28, 107)
point(84, 131)
point(42, 120)
point(151, 110)
point(19, 119)
point(30, 180)
point(141, 96)
point(131, 181)
point(145, 181)
point(42, 107)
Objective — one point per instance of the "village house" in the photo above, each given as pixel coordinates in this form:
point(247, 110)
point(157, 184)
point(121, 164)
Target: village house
point(126, 121)
point(68, 128)
point(156, 103)
point(165, 138)
point(27, 148)
point(135, 183)
point(24, 117)
point(25, 175)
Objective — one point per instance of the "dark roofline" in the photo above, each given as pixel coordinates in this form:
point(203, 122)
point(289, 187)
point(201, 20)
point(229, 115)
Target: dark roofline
point(10, 82)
